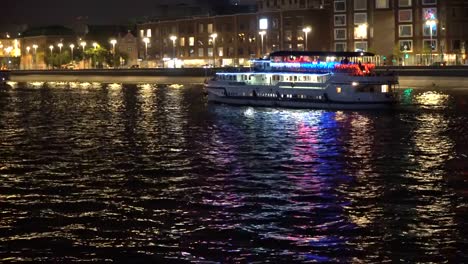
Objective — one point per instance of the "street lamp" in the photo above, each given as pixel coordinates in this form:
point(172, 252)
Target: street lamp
point(113, 42)
point(262, 33)
point(173, 38)
point(83, 44)
point(72, 46)
point(35, 54)
point(27, 51)
point(95, 45)
point(306, 31)
point(51, 55)
point(60, 45)
point(146, 40)
point(431, 23)
point(214, 36)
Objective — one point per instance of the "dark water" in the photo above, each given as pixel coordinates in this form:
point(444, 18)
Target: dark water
point(154, 174)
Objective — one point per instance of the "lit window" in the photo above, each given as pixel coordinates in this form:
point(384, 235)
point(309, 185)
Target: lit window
point(142, 33)
point(385, 88)
point(210, 28)
point(182, 41)
point(404, 3)
point(148, 33)
point(338, 89)
point(192, 41)
point(263, 24)
point(379, 4)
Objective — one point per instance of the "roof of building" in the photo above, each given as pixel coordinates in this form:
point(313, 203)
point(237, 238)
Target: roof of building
point(48, 31)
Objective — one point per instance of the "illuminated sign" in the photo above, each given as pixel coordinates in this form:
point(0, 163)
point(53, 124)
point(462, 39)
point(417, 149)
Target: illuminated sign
point(263, 23)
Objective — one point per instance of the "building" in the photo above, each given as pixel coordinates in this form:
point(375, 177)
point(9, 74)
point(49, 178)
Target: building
point(403, 32)
point(10, 52)
point(234, 39)
point(127, 44)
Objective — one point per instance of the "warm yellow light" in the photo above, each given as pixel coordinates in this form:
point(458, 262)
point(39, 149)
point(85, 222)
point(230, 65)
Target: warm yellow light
point(95, 45)
point(361, 31)
point(431, 23)
point(173, 38)
point(214, 35)
point(113, 41)
point(60, 45)
point(262, 33)
point(306, 29)
point(51, 47)
point(28, 48)
point(146, 40)
point(355, 83)
point(72, 46)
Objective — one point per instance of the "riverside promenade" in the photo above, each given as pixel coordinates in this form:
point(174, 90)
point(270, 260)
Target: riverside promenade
point(410, 76)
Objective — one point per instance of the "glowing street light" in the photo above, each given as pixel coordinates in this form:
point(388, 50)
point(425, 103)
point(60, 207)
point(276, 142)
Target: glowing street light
point(262, 33)
point(83, 45)
point(214, 36)
point(146, 40)
point(72, 46)
point(60, 45)
point(173, 38)
point(306, 31)
point(431, 23)
point(27, 49)
point(113, 42)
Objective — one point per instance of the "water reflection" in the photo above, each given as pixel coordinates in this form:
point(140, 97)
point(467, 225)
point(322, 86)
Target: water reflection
point(155, 174)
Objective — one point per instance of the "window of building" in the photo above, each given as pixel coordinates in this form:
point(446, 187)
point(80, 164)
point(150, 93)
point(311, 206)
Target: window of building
point(340, 46)
point(406, 45)
point(360, 18)
point(300, 46)
point(192, 41)
point(427, 32)
point(360, 45)
point(200, 28)
point(360, 4)
point(201, 52)
point(288, 35)
point(405, 31)
point(360, 32)
point(340, 33)
point(381, 4)
point(148, 33)
point(182, 42)
point(340, 20)
point(210, 28)
point(427, 45)
point(404, 3)
point(300, 35)
point(405, 15)
point(210, 52)
point(429, 2)
point(340, 6)
point(220, 51)
point(142, 33)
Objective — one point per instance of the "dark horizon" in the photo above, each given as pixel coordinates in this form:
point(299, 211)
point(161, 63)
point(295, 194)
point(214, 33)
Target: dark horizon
point(58, 12)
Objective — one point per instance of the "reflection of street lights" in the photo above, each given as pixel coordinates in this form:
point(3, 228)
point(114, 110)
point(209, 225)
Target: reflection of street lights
point(262, 33)
point(173, 38)
point(306, 31)
point(214, 36)
point(431, 23)
point(72, 46)
point(146, 41)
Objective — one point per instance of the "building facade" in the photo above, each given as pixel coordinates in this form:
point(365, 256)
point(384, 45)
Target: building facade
point(403, 32)
point(232, 40)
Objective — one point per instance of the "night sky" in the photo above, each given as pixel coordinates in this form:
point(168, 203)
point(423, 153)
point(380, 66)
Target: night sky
point(49, 12)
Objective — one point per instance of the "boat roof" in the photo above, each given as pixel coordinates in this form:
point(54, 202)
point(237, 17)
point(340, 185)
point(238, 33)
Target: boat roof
point(285, 53)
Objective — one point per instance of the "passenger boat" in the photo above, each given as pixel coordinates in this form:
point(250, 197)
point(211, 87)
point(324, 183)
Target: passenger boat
point(302, 79)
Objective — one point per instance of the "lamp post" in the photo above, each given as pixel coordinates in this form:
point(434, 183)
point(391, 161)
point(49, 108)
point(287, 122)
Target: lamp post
point(146, 41)
point(35, 54)
point(173, 38)
point(60, 45)
point(83, 45)
point(306, 31)
point(214, 36)
point(262, 33)
point(113, 42)
point(27, 51)
point(95, 45)
point(431, 23)
point(51, 55)
point(72, 46)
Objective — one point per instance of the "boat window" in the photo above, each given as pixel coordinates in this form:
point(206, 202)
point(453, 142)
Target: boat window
point(338, 89)
point(385, 88)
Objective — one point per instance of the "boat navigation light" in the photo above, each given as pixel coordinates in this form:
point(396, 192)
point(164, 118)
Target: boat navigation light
point(355, 83)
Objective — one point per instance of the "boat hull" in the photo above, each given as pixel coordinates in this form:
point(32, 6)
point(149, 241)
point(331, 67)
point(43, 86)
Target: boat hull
point(297, 103)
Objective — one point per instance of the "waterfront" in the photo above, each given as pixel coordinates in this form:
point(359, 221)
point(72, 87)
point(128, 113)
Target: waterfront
point(152, 173)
